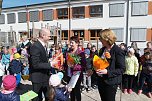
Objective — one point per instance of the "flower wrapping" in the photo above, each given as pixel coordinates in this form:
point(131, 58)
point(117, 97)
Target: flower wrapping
point(73, 60)
point(99, 63)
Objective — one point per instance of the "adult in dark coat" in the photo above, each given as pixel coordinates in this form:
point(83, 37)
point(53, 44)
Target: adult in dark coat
point(111, 77)
point(39, 65)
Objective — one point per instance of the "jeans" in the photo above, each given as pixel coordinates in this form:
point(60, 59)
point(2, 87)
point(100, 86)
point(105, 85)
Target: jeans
point(25, 71)
point(148, 79)
point(86, 81)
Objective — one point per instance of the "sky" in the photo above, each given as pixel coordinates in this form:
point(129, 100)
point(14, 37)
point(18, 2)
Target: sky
point(13, 3)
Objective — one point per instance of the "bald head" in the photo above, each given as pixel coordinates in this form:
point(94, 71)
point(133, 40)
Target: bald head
point(43, 31)
point(45, 34)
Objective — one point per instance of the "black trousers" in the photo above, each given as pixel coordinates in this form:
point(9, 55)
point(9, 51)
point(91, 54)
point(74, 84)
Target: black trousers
point(1, 80)
point(107, 92)
point(39, 88)
point(128, 81)
point(94, 79)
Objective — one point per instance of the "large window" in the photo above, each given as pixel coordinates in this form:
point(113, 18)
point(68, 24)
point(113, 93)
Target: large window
point(2, 19)
point(47, 15)
point(138, 34)
point(139, 8)
point(64, 35)
point(96, 11)
point(79, 33)
point(119, 33)
point(22, 18)
point(34, 16)
point(78, 12)
point(63, 13)
point(11, 18)
point(116, 10)
point(94, 34)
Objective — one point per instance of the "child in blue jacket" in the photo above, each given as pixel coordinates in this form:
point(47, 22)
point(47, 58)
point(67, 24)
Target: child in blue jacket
point(15, 67)
point(57, 92)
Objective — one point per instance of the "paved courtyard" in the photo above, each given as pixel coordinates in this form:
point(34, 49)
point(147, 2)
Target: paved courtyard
point(93, 95)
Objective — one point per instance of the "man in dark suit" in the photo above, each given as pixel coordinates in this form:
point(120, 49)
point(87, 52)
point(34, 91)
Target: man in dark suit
point(39, 65)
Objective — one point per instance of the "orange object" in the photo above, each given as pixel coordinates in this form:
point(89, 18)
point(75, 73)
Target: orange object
point(107, 55)
point(70, 60)
point(60, 59)
point(100, 63)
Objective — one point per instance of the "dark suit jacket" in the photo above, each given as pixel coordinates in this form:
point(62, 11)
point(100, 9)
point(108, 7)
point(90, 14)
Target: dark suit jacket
point(39, 65)
point(116, 67)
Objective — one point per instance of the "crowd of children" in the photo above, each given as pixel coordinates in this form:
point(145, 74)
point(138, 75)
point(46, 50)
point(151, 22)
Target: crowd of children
point(138, 74)
point(14, 63)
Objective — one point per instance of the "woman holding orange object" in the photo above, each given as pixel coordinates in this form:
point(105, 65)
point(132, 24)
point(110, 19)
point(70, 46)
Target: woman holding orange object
point(111, 76)
point(75, 62)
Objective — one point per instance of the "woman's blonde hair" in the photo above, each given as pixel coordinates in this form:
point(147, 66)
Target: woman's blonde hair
point(108, 35)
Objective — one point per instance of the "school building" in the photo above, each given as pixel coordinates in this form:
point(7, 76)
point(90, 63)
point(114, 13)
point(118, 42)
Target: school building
point(84, 18)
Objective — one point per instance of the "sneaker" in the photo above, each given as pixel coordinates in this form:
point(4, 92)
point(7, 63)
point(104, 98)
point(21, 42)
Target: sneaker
point(139, 92)
point(88, 89)
point(83, 88)
point(94, 86)
point(125, 91)
point(130, 91)
point(149, 95)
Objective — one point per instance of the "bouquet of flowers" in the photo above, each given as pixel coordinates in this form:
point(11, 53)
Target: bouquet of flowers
point(100, 63)
point(73, 60)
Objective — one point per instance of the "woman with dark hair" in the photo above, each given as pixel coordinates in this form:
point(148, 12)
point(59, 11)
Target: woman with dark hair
point(71, 69)
point(111, 77)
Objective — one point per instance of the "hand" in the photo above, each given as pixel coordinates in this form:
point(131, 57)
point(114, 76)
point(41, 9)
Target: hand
point(69, 89)
point(54, 62)
point(24, 64)
point(89, 72)
point(99, 71)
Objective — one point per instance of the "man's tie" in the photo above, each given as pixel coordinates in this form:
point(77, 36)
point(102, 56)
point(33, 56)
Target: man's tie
point(45, 47)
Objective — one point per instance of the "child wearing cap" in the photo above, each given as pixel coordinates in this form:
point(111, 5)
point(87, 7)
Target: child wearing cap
point(57, 91)
point(131, 63)
point(8, 93)
point(15, 67)
point(146, 74)
point(87, 77)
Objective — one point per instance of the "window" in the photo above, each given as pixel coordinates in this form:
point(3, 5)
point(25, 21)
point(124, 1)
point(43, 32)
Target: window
point(63, 13)
point(22, 17)
point(78, 12)
point(79, 33)
point(11, 18)
point(47, 15)
point(64, 35)
point(2, 19)
point(139, 8)
point(119, 33)
point(138, 34)
point(116, 10)
point(34, 16)
point(94, 34)
point(96, 11)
